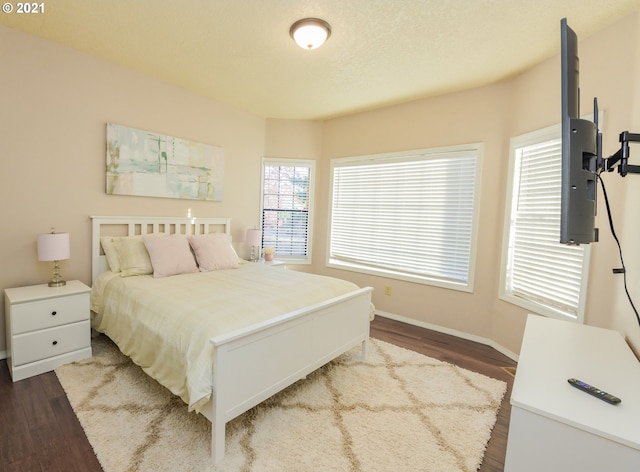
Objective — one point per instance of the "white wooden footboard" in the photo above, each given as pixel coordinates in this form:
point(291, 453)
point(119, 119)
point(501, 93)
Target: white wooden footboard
point(253, 364)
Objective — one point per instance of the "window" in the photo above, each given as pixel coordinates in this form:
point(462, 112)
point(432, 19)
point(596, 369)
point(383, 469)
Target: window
point(410, 216)
point(538, 273)
point(287, 189)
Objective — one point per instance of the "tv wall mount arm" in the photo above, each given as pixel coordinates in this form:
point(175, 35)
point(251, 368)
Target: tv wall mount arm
point(622, 156)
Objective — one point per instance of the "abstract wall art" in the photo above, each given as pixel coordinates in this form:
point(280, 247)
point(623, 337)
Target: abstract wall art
point(148, 164)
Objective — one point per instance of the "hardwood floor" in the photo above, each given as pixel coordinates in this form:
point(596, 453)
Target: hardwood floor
point(38, 429)
point(40, 432)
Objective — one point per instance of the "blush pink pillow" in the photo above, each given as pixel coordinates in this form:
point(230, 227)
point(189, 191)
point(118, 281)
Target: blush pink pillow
point(214, 252)
point(170, 255)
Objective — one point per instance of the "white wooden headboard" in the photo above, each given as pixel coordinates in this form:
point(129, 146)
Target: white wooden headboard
point(139, 225)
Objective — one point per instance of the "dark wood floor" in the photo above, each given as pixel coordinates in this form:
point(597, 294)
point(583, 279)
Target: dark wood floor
point(38, 429)
point(40, 432)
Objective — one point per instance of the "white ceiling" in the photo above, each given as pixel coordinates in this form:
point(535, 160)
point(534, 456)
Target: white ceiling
point(381, 52)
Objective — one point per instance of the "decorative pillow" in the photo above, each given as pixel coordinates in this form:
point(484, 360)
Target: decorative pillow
point(214, 251)
point(170, 255)
point(133, 257)
point(108, 244)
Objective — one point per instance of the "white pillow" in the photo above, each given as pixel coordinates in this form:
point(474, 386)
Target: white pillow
point(108, 244)
point(170, 255)
point(133, 257)
point(214, 251)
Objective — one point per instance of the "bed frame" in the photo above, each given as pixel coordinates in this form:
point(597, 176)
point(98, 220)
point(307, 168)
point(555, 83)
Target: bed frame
point(252, 364)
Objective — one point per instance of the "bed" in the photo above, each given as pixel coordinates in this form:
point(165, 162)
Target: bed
point(224, 338)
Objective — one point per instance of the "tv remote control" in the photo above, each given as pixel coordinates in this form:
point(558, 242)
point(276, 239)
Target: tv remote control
point(596, 392)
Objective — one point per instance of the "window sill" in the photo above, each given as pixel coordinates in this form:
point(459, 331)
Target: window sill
point(284, 260)
point(540, 309)
point(390, 274)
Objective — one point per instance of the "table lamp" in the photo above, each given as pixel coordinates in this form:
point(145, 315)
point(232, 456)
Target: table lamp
point(253, 240)
point(54, 247)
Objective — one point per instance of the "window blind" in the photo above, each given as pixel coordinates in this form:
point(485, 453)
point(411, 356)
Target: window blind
point(285, 209)
point(539, 268)
point(410, 215)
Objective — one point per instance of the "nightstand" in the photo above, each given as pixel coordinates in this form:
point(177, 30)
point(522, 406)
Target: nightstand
point(46, 327)
point(274, 262)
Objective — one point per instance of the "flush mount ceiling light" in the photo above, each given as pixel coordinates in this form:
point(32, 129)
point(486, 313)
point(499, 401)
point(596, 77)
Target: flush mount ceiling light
point(310, 33)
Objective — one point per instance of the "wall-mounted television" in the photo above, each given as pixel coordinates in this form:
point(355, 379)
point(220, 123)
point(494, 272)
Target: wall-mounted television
point(582, 160)
point(579, 151)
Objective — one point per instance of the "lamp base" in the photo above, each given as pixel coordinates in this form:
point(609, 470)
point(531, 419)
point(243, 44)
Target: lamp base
point(56, 279)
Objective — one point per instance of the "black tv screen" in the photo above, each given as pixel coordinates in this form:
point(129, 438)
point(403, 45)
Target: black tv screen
point(579, 152)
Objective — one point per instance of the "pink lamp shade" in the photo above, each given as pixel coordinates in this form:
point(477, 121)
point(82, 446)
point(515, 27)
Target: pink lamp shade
point(254, 237)
point(53, 247)
point(253, 240)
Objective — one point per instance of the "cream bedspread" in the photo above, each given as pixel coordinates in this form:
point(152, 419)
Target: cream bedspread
point(164, 324)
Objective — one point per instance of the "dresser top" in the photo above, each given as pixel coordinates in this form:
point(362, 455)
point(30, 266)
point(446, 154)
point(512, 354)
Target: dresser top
point(553, 351)
point(44, 292)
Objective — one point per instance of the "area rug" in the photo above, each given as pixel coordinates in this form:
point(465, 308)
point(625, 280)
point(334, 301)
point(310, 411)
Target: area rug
point(397, 411)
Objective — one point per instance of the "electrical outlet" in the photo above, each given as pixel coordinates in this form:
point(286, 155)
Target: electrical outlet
point(387, 290)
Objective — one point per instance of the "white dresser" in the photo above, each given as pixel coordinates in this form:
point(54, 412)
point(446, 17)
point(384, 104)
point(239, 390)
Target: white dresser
point(556, 427)
point(46, 327)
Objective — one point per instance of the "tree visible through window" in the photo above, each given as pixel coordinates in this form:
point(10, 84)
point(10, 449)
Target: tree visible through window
point(286, 205)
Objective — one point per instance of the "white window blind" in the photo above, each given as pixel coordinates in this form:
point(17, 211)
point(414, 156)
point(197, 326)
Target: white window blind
point(286, 204)
point(539, 272)
point(409, 216)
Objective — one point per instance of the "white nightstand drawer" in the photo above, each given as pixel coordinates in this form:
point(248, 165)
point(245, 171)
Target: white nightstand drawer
point(50, 342)
point(48, 313)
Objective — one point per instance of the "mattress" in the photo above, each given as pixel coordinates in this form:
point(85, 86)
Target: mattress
point(164, 324)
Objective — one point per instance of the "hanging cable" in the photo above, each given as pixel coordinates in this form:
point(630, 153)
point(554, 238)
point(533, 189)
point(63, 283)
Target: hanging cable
point(615, 237)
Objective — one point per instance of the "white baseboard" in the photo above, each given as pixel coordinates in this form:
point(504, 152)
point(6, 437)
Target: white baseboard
point(3, 355)
point(452, 332)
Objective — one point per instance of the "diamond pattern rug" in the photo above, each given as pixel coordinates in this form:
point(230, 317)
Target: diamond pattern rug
point(397, 411)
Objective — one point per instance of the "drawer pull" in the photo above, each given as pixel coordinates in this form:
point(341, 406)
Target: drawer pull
point(54, 313)
point(54, 342)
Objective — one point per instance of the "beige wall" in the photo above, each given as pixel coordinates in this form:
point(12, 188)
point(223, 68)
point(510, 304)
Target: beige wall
point(628, 215)
point(492, 115)
point(55, 103)
point(293, 139)
point(471, 117)
point(299, 139)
